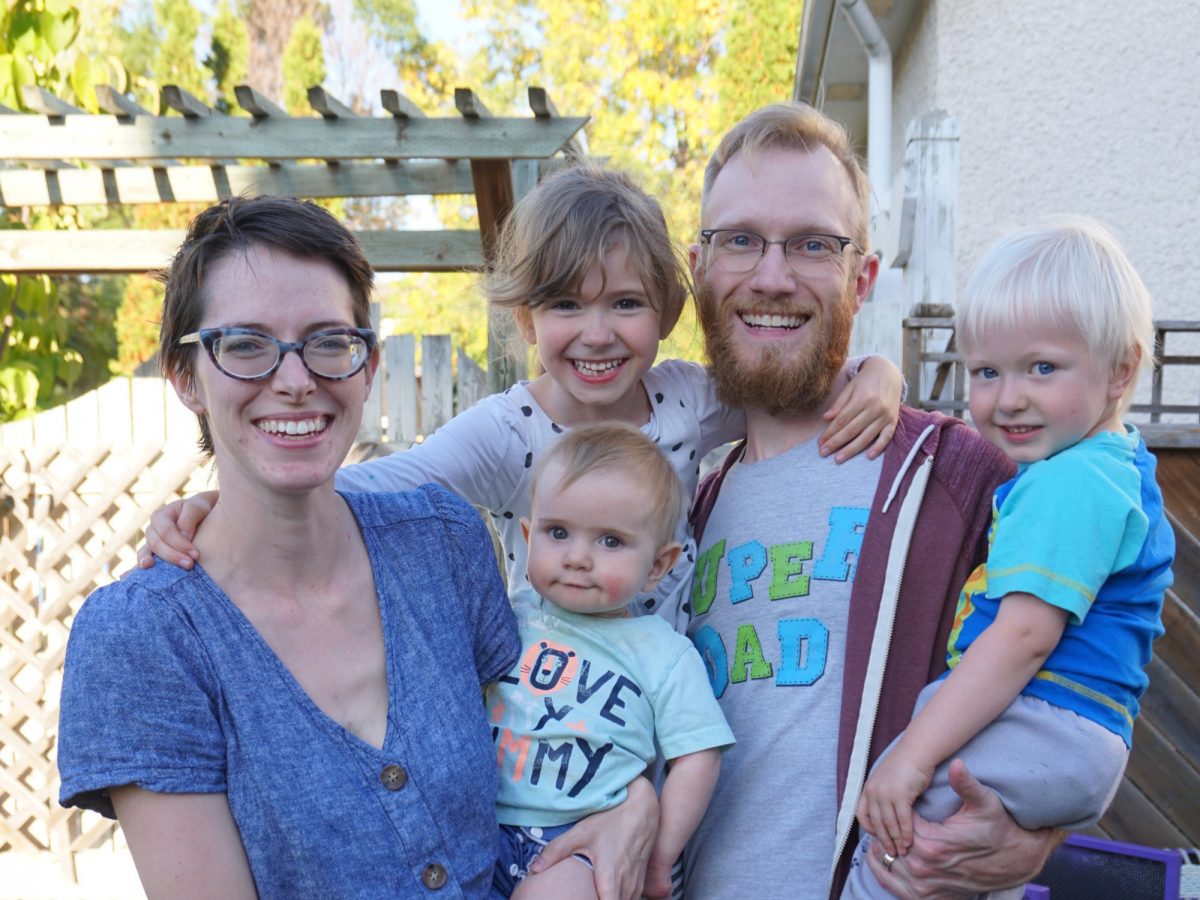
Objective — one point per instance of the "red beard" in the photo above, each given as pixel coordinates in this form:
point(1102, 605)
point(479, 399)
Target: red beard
point(777, 381)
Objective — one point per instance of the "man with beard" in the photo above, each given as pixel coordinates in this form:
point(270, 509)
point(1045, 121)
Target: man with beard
point(801, 558)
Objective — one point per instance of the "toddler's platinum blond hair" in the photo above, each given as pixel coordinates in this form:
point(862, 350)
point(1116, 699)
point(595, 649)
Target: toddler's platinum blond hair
point(1069, 272)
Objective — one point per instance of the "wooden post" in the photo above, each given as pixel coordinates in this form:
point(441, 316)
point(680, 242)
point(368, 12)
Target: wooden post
point(371, 426)
point(494, 198)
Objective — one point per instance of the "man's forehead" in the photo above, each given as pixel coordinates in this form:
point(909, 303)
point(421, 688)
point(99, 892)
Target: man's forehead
point(781, 187)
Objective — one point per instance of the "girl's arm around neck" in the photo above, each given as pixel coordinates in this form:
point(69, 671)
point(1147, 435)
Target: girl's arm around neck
point(865, 413)
point(479, 455)
point(184, 845)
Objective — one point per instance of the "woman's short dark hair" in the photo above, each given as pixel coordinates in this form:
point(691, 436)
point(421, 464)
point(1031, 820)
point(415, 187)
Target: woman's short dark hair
point(299, 227)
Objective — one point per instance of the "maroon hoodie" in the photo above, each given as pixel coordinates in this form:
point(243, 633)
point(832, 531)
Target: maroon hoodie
point(949, 541)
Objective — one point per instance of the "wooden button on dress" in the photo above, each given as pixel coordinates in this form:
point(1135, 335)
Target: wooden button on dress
point(393, 777)
point(434, 876)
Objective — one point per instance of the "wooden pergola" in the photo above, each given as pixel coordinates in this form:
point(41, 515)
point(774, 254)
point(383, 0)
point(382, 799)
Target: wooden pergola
point(59, 154)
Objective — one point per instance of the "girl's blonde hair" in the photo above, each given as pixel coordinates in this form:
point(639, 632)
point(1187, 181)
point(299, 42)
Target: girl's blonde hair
point(1071, 273)
point(567, 224)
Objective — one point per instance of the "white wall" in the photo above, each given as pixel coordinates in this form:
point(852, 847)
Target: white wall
point(1090, 106)
point(1086, 107)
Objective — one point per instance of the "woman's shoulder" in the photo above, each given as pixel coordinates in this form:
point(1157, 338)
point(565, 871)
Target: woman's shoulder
point(147, 608)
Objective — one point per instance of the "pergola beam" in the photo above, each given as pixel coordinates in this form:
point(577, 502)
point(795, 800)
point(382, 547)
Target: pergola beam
point(122, 251)
point(208, 184)
point(102, 138)
point(203, 155)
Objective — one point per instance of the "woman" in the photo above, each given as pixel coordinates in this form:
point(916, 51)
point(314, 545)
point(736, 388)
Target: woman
point(300, 716)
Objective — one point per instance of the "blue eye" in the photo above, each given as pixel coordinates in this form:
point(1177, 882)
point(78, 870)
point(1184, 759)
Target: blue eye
point(986, 373)
point(563, 305)
point(739, 241)
point(244, 345)
point(611, 542)
point(558, 533)
point(813, 246)
point(1045, 368)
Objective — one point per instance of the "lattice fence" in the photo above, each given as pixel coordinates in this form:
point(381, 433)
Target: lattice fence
point(72, 520)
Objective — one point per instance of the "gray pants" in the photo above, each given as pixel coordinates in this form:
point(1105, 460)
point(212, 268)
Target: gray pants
point(1050, 766)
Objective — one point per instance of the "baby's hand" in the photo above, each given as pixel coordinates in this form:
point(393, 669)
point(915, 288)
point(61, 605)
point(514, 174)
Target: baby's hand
point(172, 528)
point(885, 809)
point(658, 879)
point(864, 415)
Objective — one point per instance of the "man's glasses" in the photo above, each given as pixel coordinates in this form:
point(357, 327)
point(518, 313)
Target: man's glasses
point(737, 250)
point(248, 355)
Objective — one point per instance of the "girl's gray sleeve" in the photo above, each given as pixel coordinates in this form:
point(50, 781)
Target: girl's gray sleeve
point(719, 424)
point(477, 455)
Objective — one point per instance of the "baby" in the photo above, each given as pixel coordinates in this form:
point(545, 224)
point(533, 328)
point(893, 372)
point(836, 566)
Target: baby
point(594, 689)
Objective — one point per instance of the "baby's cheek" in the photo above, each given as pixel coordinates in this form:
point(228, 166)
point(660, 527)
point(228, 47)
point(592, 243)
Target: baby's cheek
point(618, 586)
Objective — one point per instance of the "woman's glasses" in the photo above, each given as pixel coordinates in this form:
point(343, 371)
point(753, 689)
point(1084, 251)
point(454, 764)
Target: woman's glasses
point(248, 355)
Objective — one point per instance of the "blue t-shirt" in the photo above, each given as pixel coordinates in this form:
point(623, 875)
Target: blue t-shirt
point(168, 686)
point(1083, 530)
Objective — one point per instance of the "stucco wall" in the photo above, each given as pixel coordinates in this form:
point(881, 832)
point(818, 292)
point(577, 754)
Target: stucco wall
point(1090, 107)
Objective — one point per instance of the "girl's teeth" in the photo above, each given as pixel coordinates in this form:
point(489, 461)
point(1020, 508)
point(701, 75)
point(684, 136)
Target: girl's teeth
point(596, 368)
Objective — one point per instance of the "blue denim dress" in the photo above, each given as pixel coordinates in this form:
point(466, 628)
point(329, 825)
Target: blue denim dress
point(168, 686)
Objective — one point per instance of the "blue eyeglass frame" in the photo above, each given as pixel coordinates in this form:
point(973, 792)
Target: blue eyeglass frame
point(208, 337)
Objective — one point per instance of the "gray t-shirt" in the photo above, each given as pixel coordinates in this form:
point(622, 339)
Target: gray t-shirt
point(769, 608)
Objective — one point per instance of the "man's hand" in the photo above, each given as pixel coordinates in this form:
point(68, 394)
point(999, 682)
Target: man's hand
point(978, 849)
point(618, 841)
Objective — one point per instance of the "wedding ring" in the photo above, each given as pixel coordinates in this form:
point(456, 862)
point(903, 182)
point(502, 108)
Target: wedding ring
point(888, 859)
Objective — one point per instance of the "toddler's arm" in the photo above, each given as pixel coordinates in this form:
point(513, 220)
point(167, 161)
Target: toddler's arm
point(685, 794)
point(990, 675)
point(864, 415)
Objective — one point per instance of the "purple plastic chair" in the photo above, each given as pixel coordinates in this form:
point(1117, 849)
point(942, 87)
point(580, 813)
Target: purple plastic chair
point(1091, 868)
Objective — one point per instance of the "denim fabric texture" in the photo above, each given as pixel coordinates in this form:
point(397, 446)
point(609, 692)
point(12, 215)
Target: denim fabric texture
point(168, 686)
point(520, 846)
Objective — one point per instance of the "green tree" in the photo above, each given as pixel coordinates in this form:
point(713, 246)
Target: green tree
point(229, 57)
point(758, 64)
point(38, 362)
point(303, 65)
point(175, 62)
point(644, 70)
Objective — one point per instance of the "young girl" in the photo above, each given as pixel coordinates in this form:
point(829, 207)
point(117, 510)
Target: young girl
point(589, 272)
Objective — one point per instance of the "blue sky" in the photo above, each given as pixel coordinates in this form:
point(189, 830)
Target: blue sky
point(439, 20)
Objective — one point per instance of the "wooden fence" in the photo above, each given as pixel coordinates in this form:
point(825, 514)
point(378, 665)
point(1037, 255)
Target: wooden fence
point(77, 484)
